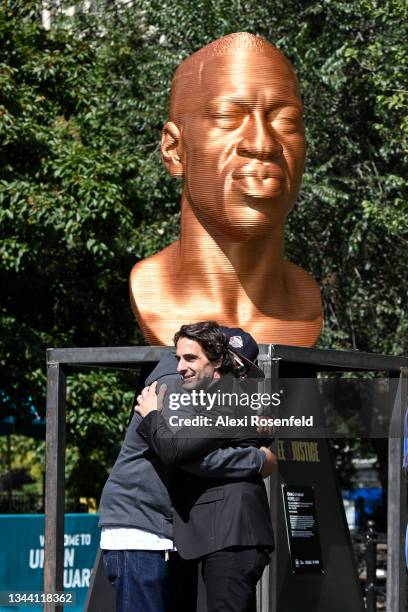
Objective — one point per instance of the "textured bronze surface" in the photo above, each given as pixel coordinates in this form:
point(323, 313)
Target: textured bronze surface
point(235, 134)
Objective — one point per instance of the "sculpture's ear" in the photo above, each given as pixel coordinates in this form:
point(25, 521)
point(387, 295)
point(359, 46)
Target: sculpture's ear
point(171, 149)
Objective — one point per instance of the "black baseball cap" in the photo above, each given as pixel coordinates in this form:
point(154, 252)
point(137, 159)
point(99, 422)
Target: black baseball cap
point(243, 344)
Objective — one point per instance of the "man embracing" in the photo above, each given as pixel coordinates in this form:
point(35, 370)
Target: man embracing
point(223, 523)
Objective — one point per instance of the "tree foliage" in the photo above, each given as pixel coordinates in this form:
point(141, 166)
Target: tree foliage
point(84, 196)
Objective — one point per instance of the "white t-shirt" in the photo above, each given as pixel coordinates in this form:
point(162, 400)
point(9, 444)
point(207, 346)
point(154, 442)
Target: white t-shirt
point(120, 538)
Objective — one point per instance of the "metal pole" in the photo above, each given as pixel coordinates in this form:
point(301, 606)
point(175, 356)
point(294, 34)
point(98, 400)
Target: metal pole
point(9, 475)
point(397, 500)
point(267, 587)
point(54, 481)
point(371, 564)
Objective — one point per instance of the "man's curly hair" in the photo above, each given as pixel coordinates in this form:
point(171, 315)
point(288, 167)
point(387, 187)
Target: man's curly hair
point(212, 339)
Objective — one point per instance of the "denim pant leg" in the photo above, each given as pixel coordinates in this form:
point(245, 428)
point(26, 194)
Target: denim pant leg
point(140, 578)
point(113, 562)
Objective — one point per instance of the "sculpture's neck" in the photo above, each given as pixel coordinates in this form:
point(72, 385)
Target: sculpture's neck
point(202, 249)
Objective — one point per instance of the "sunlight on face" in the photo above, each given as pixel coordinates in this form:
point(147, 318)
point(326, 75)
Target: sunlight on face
point(244, 144)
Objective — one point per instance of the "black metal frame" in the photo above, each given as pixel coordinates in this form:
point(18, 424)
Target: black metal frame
point(60, 362)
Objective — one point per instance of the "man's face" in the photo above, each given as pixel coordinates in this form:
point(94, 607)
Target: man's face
point(194, 367)
point(244, 145)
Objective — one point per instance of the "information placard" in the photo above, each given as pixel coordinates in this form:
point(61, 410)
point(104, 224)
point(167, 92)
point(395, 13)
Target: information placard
point(302, 529)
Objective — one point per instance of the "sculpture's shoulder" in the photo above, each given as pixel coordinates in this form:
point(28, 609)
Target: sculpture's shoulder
point(304, 307)
point(303, 289)
point(145, 275)
point(152, 292)
point(301, 278)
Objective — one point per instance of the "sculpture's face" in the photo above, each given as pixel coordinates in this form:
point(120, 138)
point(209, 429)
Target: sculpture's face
point(244, 146)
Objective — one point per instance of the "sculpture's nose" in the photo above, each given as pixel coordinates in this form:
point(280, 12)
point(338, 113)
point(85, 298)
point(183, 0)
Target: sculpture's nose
point(259, 139)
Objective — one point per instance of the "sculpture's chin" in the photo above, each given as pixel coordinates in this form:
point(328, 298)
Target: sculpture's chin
point(240, 230)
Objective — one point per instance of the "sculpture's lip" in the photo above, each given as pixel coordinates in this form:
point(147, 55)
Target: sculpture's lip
point(259, 171)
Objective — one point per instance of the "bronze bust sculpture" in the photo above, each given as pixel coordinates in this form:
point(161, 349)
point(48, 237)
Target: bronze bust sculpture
point(235, 134)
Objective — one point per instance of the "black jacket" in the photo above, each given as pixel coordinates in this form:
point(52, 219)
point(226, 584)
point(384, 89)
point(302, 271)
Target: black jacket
point(135, 494)
point(210, 514)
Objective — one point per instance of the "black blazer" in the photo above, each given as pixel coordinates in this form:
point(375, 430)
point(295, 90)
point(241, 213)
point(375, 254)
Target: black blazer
point(210, 514)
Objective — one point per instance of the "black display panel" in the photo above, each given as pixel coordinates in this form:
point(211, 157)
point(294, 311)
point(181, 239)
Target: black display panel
point(302, 529)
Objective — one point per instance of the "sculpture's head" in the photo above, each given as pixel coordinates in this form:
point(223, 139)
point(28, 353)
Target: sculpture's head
point(235, 133)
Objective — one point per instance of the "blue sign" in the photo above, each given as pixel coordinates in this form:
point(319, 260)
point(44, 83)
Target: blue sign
point(22, 555)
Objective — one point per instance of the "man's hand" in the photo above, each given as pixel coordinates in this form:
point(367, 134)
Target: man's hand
point(270, 464)
point(149, 400)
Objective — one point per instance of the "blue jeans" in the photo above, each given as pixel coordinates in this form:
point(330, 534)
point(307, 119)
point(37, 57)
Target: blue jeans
point(141, 579)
